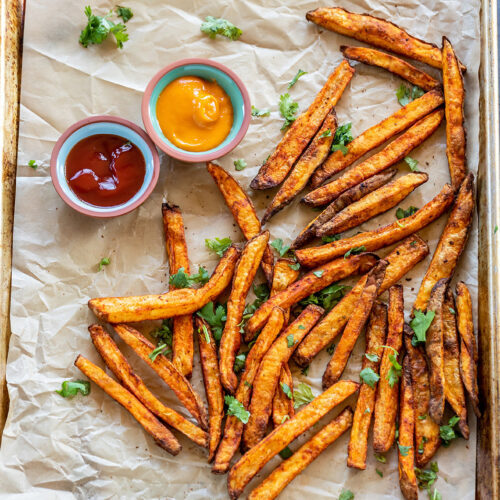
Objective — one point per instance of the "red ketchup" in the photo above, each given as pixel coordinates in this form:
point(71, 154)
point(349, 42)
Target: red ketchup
point(105, 170)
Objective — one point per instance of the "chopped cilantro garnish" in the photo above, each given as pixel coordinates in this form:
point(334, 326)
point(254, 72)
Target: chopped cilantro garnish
point(296, 77)
point(213, 26)
point(235, 408)
point(288, 109)
point(71, 388)
point(218, 245)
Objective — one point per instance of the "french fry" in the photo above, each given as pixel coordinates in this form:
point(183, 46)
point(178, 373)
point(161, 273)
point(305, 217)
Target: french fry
point(381, 237)
point(283, 276)
point(468, 346)
point(355, 324)
point(167, 305)
point(267, 377)
point(451, 243)
point(392, 64)
point(311, 158)
point(413, 113)
point(175, 242)
point(406, 441)
point(403, 258)
point(282, 404)
point(121, 368)
point(271, 487)
point(233, 428)
point(243, 211)
point(167, 372)
point(454, 98)
point(310, 283)
point(377, 202)
point(375, 338)
point(303, 129)
point(162, 436)
point(253, 461)
point(386, 403)
point(377, 32)
point(245, 272)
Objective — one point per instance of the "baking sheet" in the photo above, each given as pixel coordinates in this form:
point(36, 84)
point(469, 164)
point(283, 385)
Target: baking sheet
point(90, 447)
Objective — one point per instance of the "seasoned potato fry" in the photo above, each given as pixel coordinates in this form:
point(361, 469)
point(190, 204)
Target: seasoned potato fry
point(381, 237)
point(375, 338)
point(271, 487)
point(253, 461)
point(162, 436)
point(454, 98)
point(167, 305)
point(355, 324)
point(121, 368)
point(303, 129)
point(245, 272)
point(386, 403)
point(267, 377)
point(311, 158)
point(403, 258)
point(375, 203)
point(282, 404)
point(412, 113)
point(283, 276)
point(243, 211)
point(468, 346)
point(167, 372)
point(175, 241)
point(390, 63)
point(233, 429)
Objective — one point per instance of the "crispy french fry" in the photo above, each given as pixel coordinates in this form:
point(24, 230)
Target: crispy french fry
point(381, 237)
point(282, 404)
point(311, 158)
point(403, 258)
point(175, 241)
point(355, 324)
point(267, 377)
point(283, 276)
point(390, 63)
point(468, 346)
point(167, 372)
point(121, 368)
point(271, 487)
point(162, 436)
point(167, 305)
point(375, 203)
point(377, 32)
point(302, 130)
point(233, 428)
point(386, 403)
point(245, 272)
point(243, 211)
point(375, 338)
point(454, 97)
point(413, 113)
point(253, 461)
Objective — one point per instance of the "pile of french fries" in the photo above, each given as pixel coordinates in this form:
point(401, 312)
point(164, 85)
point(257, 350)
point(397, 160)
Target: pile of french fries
point(411, 378)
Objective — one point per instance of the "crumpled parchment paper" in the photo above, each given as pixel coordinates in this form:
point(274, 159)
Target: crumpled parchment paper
point(89, 447)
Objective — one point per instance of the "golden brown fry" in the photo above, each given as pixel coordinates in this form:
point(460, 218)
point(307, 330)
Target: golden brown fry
point(121, 368)
point(403, 258)
point(454, 98)
point(390, 63)
point(245, 272)
point(167, 305)
point(381, 237)
point(167, 372)
point(271, 487)
point(375, 338)
point(302, 130)
point(233, 429)
point(162, 436)
point(311, 158)
point(284, 275)
point(412, 113)
point(253, 461)
point(375, 203)
point(386, 403)
point(451, 243)
point(267, 377)
point(282, 404)
point(468, 346)
point(355, 324)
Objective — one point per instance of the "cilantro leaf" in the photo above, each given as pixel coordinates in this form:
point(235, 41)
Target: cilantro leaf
point(341, 138)
point(71, 388)
point(280, 247)
point(259, 112)
point(369, 377)
point(302, 395)
point(207, 338)
point(411, 163)
point(288, 109)
point(494, 230)
point(32, 164)
point(354, 251)
point(379, 472)
point(105, 261)
point(346, 495)
point(404, 449)
point(329, 239)
point(420, 324)
point(402, 214)
point(407, 94)
point(183, 280)
point(286, 452)
point(447, 433)
point(164, 334)
point(326, 133)
point(290, 341)
point(427, 477)
point(98, 28)
point(235, 408)
point(218, 245)
point(305, 370)
point(326, 298)
point(262, 294)
point(380, 458)
point(295, 266)
point(286, 389)
point(435, 495)
point(160, 349)
point(372, 357)
point(319, 273)
point(239, 362)
point(330, 349)
point(213, 26)
point(240, 164)
point(394, 371)
point(124, 12)
point(296, 77)
point(216, 319)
